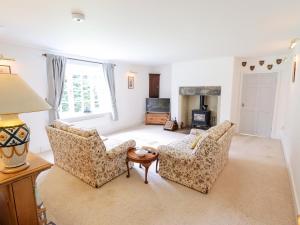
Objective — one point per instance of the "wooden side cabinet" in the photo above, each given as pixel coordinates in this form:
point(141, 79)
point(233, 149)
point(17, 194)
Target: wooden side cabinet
point(154, 85)
point(156, 118)
point(17, 193)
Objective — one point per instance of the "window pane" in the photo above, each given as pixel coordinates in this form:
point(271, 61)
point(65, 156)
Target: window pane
point(86, 94)
point(85, 90)
point(65, 99)
point(96, 98)
point(76, 81)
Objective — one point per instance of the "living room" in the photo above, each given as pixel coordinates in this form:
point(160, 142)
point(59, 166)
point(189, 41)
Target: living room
point(221, 146)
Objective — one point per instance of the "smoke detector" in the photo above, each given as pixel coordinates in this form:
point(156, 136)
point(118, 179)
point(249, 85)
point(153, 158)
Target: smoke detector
point(78, 17)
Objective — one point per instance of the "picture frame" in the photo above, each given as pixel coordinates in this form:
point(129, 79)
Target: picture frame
point(5, 69)
point(294, 71)
point(130, 82)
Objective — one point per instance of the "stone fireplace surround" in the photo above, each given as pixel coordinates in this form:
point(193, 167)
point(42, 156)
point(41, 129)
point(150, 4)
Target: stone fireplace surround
point(190, 99)
point(201, 90)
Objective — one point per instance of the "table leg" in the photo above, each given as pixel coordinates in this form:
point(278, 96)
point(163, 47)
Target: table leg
point(156, 166)
point(146, 174)
point(140, 165)
point(127, 164)
point(146, 171)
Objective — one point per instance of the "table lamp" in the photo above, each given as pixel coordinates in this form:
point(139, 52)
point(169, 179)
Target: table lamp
point(16, 97)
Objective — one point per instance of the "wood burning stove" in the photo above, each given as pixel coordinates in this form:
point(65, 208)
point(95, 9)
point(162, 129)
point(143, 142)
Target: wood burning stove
point(201, 117)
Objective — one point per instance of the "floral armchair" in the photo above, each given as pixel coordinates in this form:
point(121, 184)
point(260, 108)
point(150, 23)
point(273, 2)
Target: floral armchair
point(197, 168)
point(83, 153)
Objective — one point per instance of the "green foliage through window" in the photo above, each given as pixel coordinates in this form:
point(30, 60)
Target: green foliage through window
point(85, 91)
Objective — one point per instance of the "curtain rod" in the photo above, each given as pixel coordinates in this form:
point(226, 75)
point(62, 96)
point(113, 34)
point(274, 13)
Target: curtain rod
point(82, 60)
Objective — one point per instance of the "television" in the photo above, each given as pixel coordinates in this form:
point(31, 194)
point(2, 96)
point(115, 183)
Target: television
point(159, 105)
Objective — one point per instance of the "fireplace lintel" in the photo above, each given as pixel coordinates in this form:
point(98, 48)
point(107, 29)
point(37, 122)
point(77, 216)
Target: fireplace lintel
point(200, 90)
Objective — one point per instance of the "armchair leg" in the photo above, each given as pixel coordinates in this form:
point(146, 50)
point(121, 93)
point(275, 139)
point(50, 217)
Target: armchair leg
point(127, 164)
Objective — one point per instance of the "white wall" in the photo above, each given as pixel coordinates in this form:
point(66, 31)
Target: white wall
point(211, 72)
point(290, 133)
point(31, 66)
point(130, 102)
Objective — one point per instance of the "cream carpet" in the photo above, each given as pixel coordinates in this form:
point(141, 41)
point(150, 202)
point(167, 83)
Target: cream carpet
point(253, 189)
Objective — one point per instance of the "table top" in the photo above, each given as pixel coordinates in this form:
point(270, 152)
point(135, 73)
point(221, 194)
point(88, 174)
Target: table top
point(149, 157)
point(36, 165)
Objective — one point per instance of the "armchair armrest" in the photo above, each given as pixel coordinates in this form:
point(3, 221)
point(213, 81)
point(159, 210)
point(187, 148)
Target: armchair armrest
point(171, 152)
point(120, 149)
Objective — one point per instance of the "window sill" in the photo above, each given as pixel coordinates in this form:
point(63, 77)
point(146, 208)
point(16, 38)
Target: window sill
point(84, 117)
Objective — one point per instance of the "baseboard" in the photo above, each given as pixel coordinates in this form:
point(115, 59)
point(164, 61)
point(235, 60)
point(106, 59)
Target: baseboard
point(291, 178)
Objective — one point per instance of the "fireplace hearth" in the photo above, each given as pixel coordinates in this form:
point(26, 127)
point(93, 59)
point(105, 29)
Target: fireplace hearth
point(199, 106)
point(201, 117)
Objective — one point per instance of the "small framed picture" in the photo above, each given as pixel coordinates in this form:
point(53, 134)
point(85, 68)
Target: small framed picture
point(5, 69)
point(294, 71)
point(130, 82)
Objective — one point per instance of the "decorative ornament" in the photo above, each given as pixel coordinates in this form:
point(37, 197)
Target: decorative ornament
point(261, 62)
point(270, 66)
point(278, 61)
point(244, 64)
point(294, 71)
point(2, 57)
point(252, 68)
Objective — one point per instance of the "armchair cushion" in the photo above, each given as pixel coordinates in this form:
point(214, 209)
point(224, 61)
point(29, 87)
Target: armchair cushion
point(183, 144)
point(206, 146)
point(82, 132)
point(195, 141)
point(61, 125)
point(169, 151)
point(217, 131)
point(74, 130)
point(195, 131)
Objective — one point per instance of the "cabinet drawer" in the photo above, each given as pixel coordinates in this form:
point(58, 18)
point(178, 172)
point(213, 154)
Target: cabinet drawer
point(156, 118)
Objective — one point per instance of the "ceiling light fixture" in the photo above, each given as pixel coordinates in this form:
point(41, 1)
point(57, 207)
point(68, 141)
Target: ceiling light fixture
point(294, 43)
point(78, 17)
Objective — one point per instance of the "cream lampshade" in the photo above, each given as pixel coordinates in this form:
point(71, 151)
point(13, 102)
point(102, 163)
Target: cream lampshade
point(16, 97)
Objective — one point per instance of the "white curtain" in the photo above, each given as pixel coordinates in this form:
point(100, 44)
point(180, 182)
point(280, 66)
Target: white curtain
point(56, 67)
point(108, 70)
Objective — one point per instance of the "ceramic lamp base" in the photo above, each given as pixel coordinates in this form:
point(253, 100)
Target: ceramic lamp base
point(15, 169)
point(14, 142)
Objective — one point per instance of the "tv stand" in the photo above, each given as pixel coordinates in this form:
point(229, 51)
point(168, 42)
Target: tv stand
point(157, 118)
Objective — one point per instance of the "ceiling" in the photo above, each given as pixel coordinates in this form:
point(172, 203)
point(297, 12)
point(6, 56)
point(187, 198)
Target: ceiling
point(153, 31)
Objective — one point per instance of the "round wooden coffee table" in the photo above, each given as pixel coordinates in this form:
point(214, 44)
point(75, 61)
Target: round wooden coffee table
point(145, 160)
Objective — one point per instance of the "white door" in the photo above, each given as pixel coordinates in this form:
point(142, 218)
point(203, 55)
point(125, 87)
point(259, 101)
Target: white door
point(258, 100)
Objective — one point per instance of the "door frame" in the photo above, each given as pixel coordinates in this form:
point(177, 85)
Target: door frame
point(275, 113)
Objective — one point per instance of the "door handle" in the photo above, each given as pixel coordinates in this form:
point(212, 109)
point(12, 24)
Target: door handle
point(243, 104)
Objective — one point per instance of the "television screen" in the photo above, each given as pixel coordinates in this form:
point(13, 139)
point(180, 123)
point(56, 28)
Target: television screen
point(159, 105)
